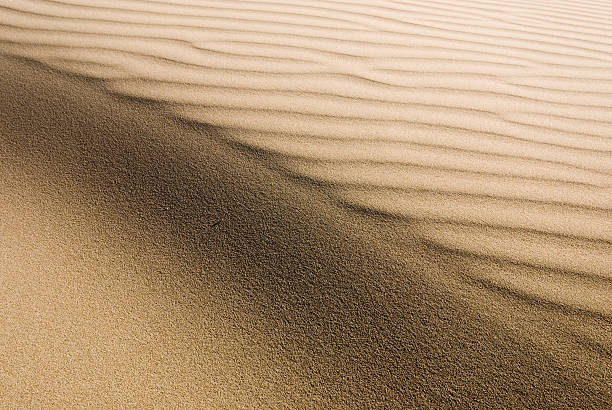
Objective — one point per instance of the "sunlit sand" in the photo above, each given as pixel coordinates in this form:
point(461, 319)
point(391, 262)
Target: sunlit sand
point(464, 146)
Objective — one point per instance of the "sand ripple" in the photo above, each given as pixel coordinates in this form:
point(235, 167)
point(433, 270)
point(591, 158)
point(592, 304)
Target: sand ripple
point(488, 123)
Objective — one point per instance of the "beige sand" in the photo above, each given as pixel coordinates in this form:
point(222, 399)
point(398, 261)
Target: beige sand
point(478, 127)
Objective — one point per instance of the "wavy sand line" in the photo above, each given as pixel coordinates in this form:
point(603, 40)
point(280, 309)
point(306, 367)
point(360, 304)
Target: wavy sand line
point(384, 23)
point(518, 48)
point(355, 128)
point(331, 149)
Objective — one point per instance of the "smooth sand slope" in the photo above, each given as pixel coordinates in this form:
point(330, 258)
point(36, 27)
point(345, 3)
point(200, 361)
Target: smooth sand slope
point(473, 126)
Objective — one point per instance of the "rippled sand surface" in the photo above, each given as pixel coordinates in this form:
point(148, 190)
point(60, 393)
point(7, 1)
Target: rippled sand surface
point(444, 159)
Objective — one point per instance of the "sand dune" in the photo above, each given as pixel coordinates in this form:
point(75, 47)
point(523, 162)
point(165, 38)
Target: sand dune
point(484, 126)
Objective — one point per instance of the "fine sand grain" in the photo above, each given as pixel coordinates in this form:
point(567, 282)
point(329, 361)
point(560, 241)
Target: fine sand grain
point(306, 203)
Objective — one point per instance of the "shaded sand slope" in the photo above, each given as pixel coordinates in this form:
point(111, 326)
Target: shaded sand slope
point(145, 263)
point(489, 124)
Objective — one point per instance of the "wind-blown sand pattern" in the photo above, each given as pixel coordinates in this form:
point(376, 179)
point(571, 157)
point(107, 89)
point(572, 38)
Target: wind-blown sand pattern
point(484, 126)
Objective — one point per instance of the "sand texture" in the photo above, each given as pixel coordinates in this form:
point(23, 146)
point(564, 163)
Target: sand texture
point(306, 204)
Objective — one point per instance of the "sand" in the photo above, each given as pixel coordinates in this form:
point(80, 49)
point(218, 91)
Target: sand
point(249, 204)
